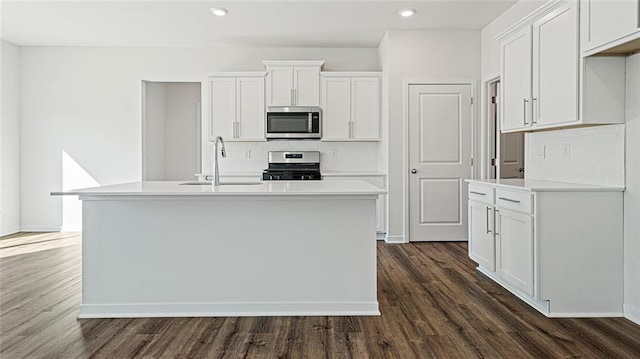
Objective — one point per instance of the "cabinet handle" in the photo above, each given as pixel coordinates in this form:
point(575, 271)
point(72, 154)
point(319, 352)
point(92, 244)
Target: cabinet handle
point(534, 106)
point(238, 130)
point(295, 96)
point(496, 213)
point(509, 200)
point(488, 209)
point(525, 101)
point(478, 193)
point(291, 96)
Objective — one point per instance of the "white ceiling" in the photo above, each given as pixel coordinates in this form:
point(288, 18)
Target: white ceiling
point(177, 23)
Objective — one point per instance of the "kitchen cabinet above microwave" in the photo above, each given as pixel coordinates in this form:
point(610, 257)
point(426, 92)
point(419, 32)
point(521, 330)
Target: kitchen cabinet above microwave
point(546, 83)
point(293, 83)
point(237, 110)
point(610, 27)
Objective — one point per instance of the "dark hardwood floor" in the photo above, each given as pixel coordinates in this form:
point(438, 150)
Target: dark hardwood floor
point(433, 303)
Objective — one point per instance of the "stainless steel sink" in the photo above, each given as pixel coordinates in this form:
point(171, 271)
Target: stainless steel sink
point(208, 183)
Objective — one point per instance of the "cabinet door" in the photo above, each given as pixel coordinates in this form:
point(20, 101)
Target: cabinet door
point(555, 67)
point(515, 249)
point(604, 21)
point(306, 83)
point(482, 247)
point(280, 86)
point(336, 108)
point(365, 104)
point(223, 107)
point(516, 81)
point(250, 108)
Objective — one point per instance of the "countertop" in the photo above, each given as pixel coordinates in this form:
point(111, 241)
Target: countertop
point(544, 186)
point(270, 188)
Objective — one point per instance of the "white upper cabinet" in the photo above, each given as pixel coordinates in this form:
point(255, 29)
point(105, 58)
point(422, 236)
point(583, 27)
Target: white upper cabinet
point(555, 67)
point(545, 81)
point(237, 106)
point(516, 81)
point(365, 104)
point(606, 23)
point(350, 105)
point(280, 86)
point(293, 83)
point(336, 107)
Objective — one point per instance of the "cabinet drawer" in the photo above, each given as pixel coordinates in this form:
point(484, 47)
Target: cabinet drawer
point(516, 201)
point(481, 194)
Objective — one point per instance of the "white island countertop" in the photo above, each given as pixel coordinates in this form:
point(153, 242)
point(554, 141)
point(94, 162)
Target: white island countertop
point(267, 188)
point(544, 186)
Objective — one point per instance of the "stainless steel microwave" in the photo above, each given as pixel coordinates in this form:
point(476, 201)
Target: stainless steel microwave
point(294, 123)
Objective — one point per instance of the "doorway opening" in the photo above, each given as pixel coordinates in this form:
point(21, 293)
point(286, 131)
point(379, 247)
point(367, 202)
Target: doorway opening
point(505, 150)
point(171, 130)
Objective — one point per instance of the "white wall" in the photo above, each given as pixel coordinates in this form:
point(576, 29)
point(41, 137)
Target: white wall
point(632, 194)
point(596, 155)
point(10, 140)
point(383, 64)
point(86, 102)
point(428, 56)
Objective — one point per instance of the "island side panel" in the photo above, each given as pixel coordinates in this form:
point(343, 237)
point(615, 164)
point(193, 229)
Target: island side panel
point(229, 256)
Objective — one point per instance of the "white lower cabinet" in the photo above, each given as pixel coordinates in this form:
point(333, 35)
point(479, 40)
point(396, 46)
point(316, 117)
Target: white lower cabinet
point(514, 234)
point(558, 247)
point(482, 244)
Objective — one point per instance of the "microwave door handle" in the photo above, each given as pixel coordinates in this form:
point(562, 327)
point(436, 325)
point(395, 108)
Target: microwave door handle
point(310, 123)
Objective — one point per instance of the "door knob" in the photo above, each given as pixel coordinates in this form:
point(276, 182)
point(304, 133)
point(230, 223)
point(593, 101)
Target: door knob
point(413, 170)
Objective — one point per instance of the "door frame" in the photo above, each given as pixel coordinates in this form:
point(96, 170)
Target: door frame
point(405, 135)
point(142, 115)
point(489, 130)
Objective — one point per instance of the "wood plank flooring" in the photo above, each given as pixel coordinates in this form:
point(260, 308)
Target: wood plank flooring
point(433, 303)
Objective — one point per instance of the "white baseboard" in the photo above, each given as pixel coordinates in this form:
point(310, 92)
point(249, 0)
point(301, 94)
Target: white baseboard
point(228, 309)
point(9, 231)
point(631, 313)
point(395, 239)
point(381, 236)
point(37, 228)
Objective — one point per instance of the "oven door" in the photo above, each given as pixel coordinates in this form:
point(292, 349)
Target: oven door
point(300, 125)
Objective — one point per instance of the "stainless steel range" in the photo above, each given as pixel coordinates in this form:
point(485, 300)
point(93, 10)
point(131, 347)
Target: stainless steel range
point(293, 166)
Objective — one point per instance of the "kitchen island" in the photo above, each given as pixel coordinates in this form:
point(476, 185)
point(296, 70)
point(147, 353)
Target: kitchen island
point(160, 249)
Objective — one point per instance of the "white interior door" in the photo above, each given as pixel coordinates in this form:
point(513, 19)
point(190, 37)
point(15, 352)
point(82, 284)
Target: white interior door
point(511, 157)
point(439, 161)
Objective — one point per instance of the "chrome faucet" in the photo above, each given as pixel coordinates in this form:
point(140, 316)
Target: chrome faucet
point(214, 165)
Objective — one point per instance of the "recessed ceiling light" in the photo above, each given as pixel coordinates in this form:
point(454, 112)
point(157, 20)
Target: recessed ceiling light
point(407, 12)
point(219, 11)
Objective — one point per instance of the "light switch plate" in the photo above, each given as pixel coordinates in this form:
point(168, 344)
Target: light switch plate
point(246, 154)
point(541, 152)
